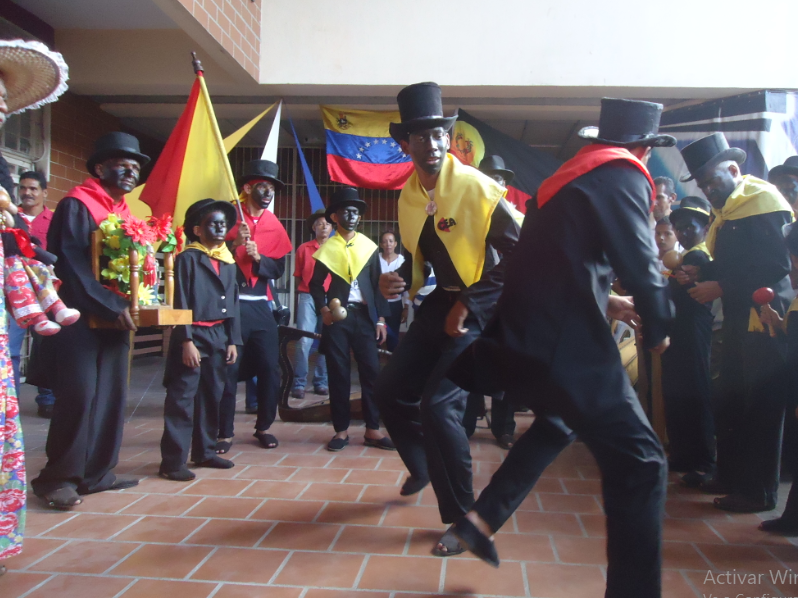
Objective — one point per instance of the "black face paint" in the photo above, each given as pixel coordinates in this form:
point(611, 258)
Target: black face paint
point(348, 218)
point(121, 173)
point(689, 231)
point(262, 194)
point(212, 230)
point(428, 149)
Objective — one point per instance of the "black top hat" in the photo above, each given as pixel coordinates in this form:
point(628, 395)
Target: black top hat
point(311, 220)
point(790, 166)
point(420, 107)
point(495, 165)
point(197, 210)
point(345, 196)
point(692, 206)
point(628, 123)
point(707, 152)
point(115, 145)
point(261, 169)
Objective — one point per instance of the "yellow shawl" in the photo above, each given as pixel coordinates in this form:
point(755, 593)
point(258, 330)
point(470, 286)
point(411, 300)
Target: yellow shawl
point(221, 253)
point(699, 247)
point(751, 197)
point(346, 259)
point(466, 199)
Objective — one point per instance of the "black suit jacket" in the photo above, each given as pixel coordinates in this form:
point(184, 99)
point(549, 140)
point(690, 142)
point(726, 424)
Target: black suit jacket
point(368, 279)
point(210, 296)
point(551, 319)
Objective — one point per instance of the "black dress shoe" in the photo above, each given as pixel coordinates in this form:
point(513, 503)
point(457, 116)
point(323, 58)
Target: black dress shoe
point(45, 411)
point(298, 393)
point(412, 485)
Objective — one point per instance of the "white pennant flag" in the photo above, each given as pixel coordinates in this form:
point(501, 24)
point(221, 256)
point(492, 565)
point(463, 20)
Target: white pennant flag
point(270, 151)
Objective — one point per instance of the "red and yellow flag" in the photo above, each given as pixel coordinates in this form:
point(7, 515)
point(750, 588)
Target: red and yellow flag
point(193, 164)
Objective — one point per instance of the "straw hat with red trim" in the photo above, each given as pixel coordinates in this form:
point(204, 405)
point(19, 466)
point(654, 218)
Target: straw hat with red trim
point(33, 75)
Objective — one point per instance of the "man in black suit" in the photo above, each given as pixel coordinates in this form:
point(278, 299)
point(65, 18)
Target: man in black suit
point(352, 261)
point(550, 339)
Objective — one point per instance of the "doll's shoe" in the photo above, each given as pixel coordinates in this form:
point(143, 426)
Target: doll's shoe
point(66, 315)
point(46, 328)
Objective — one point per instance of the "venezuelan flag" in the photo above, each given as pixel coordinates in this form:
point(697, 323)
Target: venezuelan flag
point(193, 164)
point(361, 152)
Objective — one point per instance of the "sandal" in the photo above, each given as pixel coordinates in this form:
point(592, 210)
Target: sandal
point(337, 444)
point(782, 525)
point(267, 441)
point(448, 545)
point(475, 541)
point(412, 485)
point(184, 474)
point(383, 443)
point(736, 503)
point(215, 463)
point(223, 446)
point(62, 499)
point(119, 484)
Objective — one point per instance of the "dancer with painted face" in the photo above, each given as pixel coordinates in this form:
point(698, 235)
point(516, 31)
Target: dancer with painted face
point(259, 244)
point(353, 313)
point(457, 219)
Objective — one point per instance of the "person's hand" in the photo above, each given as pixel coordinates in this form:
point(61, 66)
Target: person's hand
point(705, 292)
point(326, 316)
point(382, 332)
point(687, 274)
point(455, 319)
point(391, 285)
point(125, 321)
point(191, 356)
point(404, 315)
point(252, 250)
point(243, 235)
point(660, 348)
point(770, 317)
point(623, 309)
point(232, 354)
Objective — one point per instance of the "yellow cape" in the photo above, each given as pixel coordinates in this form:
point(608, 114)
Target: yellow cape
point(466, 199)
point(751, 197)
point(222, 253)
point(346, 259)
point(700, 247)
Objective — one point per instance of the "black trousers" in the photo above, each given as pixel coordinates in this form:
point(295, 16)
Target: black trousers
point(749, 411)
point(355, 333)
point(394, 322)
point(90, 382)
point(423, 410)
point(191, 409)
point(502, 414)
point(633, 474)
point(258, 356)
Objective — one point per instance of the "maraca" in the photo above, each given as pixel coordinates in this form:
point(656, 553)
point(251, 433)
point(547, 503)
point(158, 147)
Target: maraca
point(337, 310)
point(672, 259)
point(764, 296)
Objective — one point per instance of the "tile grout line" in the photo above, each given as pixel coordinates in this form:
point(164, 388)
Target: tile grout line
point(361, 571)
point(263, 537)
point(125, 589)
point(554, 549)
point(247, 487)
point(37, 586)
point(305, 489)
point(201, 563)
point(442, 578)
point(279, 569)
point(255, 510)
point(198, 528)
point(406, 549)
point(525, 579)
point(44, 556)
point(215, 590)
point(127, 527)
point(123, 559)
point(383, 516)
point(335, 539)
point(49, 529)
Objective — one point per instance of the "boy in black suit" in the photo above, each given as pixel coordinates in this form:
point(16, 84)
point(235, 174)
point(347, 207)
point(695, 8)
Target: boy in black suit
point(352, 260)
point(205, 282)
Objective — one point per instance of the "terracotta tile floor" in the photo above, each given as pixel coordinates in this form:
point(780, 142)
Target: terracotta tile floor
point(300, 522)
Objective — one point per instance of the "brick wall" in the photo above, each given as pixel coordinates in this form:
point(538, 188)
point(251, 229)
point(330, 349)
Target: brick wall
point(76, 123)
point(235, 24)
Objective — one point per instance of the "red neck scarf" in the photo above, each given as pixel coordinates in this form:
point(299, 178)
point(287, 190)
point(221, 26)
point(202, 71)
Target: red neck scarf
point(587, 159)
point(270, 236)
point(97, 201)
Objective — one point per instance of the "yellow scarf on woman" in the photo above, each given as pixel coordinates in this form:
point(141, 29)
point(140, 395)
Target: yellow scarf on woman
point(220, 253)
point(752, 197)
point(466, 199)
point(346, 258)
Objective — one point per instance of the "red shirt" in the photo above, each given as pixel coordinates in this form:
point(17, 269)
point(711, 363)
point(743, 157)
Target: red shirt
point(39, 226)
point(305, 264)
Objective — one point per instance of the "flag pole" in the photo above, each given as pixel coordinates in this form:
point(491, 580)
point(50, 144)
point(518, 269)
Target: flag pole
point(198, 70)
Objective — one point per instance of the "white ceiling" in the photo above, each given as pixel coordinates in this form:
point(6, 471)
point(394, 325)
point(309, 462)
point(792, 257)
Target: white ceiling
point(98, 14)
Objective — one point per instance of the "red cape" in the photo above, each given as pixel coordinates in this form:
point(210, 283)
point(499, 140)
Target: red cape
point(587, 159)
point(98, 202)
point(268, 233)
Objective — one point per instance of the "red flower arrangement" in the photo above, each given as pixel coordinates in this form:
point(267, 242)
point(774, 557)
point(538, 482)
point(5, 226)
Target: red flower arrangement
point(138, 231)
